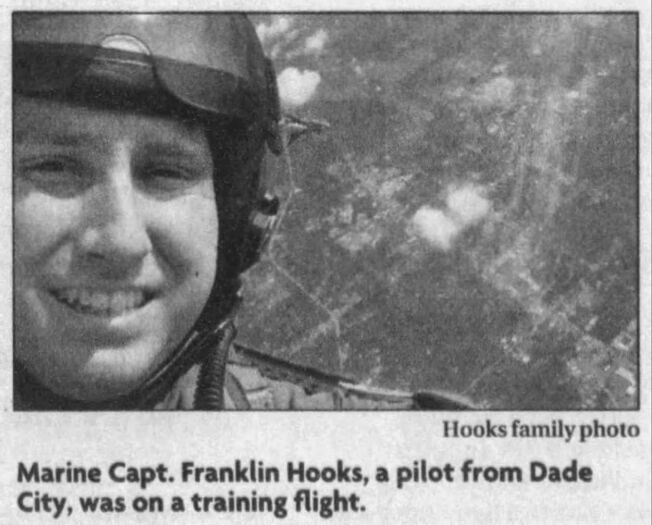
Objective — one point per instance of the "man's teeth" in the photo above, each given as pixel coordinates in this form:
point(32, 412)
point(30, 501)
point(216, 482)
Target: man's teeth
point(101, 303)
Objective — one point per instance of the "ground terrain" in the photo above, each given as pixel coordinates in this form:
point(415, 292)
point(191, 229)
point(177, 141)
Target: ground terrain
point(533, 305)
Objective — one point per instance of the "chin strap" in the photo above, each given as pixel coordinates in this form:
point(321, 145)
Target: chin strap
point(200, 346)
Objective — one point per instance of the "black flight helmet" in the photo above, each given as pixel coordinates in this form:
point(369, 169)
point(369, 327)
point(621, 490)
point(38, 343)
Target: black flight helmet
point(209, 67)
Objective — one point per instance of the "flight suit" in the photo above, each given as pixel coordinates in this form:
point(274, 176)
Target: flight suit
point(259, 382)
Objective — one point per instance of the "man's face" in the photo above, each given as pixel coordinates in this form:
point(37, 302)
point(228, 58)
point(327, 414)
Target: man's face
point(115, 243)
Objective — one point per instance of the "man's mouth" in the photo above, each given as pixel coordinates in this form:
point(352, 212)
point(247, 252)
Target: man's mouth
point(102, 303)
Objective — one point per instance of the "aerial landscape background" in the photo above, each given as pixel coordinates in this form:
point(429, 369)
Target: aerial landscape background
point(469, 220)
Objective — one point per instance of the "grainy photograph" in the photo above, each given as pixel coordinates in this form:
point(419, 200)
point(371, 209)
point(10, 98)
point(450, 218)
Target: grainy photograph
point(425, 211)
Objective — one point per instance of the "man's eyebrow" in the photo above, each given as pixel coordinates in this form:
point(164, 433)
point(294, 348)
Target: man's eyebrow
point(186, 150)
point(60, 138)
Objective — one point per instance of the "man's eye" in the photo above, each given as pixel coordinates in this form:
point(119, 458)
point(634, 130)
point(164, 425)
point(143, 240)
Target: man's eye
point(51, 166)
point(170, 178)
point(59, 176)
point(168, 173)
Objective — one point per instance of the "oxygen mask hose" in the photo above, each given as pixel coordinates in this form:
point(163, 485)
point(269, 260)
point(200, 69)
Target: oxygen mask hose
point(209, 394)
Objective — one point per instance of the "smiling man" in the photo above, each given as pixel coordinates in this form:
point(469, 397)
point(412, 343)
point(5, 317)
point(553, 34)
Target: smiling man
point(135, 136)
point(138, 148)
point(116, 243)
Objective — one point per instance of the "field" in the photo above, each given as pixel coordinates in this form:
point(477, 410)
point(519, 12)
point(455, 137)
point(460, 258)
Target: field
point(469, 220)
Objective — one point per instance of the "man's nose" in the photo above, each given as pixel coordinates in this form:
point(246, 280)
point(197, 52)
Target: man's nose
point(116, 231)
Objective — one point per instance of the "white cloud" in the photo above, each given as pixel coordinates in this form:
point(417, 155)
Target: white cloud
point(315, 43)
point(277, 26)
point(297, 87)
point(467, 205)
point(436, 227)
point(498, 91)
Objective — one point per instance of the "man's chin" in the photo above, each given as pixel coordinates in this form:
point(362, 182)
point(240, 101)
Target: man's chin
point(106, 375)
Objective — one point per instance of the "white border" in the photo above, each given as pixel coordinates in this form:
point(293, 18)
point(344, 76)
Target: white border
point(620, 492)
